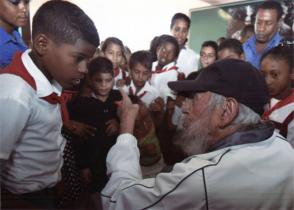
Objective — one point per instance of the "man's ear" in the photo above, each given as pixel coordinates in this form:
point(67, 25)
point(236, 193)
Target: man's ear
point(41, 43)
point(228, 112)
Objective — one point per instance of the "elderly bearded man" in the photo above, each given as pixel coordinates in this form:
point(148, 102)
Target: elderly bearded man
point(236, 161)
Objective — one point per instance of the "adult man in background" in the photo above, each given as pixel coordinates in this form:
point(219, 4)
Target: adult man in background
point(266, 27)
point(235, 161)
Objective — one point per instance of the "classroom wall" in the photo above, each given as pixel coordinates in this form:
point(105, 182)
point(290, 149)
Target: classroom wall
point(135, 22)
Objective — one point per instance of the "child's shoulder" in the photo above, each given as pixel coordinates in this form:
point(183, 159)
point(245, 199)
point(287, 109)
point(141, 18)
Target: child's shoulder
point(14, 87)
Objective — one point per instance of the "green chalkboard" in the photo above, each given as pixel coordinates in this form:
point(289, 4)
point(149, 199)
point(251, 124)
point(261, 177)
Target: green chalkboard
point(213, 22)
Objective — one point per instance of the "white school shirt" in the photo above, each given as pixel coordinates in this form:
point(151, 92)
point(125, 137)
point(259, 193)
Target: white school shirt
point(119, 77)
point(30, 132)
point(187, 61)
point(279, 115)
point(147, 94)
point(248, 176)
point(159, 80)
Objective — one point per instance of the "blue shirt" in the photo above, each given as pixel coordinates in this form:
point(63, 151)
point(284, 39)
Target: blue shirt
point(249, 48)
point(9, 44)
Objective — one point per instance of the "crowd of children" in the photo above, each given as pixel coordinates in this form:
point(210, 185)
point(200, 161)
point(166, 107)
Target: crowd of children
point(64, 42)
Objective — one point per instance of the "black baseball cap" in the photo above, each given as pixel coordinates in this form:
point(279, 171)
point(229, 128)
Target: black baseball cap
point(230, 78)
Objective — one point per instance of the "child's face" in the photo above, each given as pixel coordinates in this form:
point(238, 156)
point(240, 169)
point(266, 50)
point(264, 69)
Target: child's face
point(207, 56)
point(114, 53)
point(102, 83)
point(180, 31)
point(277, 76)
point(227, 53)
point(13, 14)
point(140, 74)
point(166, 53)
point(65, 63)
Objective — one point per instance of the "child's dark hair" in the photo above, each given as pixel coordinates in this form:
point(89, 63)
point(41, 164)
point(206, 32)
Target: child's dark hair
point(64, 22)
point(272, 5)
point(142, 57)
point(246, 29)
point(179, 16)
point(154, 45)
point(281, 53)
point(233, 45)
point(212, 44)
point(170, 39)
point(100, 65)
point(112, 40)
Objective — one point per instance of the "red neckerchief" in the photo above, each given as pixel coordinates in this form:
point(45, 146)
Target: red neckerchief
point(158, 71)
point(17, 68)
point(116, 71)
point(132, 92)
point(288, 100)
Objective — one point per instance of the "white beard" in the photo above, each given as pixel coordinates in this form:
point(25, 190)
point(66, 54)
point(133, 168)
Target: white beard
point(195, 139)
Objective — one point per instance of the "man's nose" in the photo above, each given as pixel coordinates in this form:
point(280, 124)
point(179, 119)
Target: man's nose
point(186, 105)
point(268, 80)
point(261, 27)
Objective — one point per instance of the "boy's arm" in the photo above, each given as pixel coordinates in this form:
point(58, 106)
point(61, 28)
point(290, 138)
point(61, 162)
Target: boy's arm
point(15, 111)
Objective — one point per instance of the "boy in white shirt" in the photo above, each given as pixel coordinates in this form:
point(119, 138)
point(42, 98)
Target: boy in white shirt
point(31, 145)
point(140, 65)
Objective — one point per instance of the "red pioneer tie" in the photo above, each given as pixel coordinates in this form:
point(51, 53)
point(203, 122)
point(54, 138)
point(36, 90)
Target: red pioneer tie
point(53, 98)
point(22, 72)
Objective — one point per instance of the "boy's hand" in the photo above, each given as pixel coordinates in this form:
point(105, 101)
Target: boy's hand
point(170, 104)
point(120, 83)
point(127, 113)
point(86, 175)
point(157, 105)
point(80, 129)
point(112, 127)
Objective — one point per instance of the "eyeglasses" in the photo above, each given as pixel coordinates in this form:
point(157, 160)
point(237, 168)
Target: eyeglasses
point(16, 2)
point(210, 56)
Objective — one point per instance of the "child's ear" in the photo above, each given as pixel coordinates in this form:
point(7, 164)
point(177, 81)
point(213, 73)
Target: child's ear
point(41, 42)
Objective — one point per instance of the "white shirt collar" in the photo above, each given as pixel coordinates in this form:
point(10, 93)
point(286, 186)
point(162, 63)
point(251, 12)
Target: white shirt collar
point(167, 66)
point(43, 86)
point(145, 88)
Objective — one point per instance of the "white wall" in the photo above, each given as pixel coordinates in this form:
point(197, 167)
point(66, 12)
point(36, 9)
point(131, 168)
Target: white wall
point(135, 22)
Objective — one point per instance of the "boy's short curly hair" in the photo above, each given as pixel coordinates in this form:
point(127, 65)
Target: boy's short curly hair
point(233, 45)
point(100, 65)
point(142, 57)
point(64, 22)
